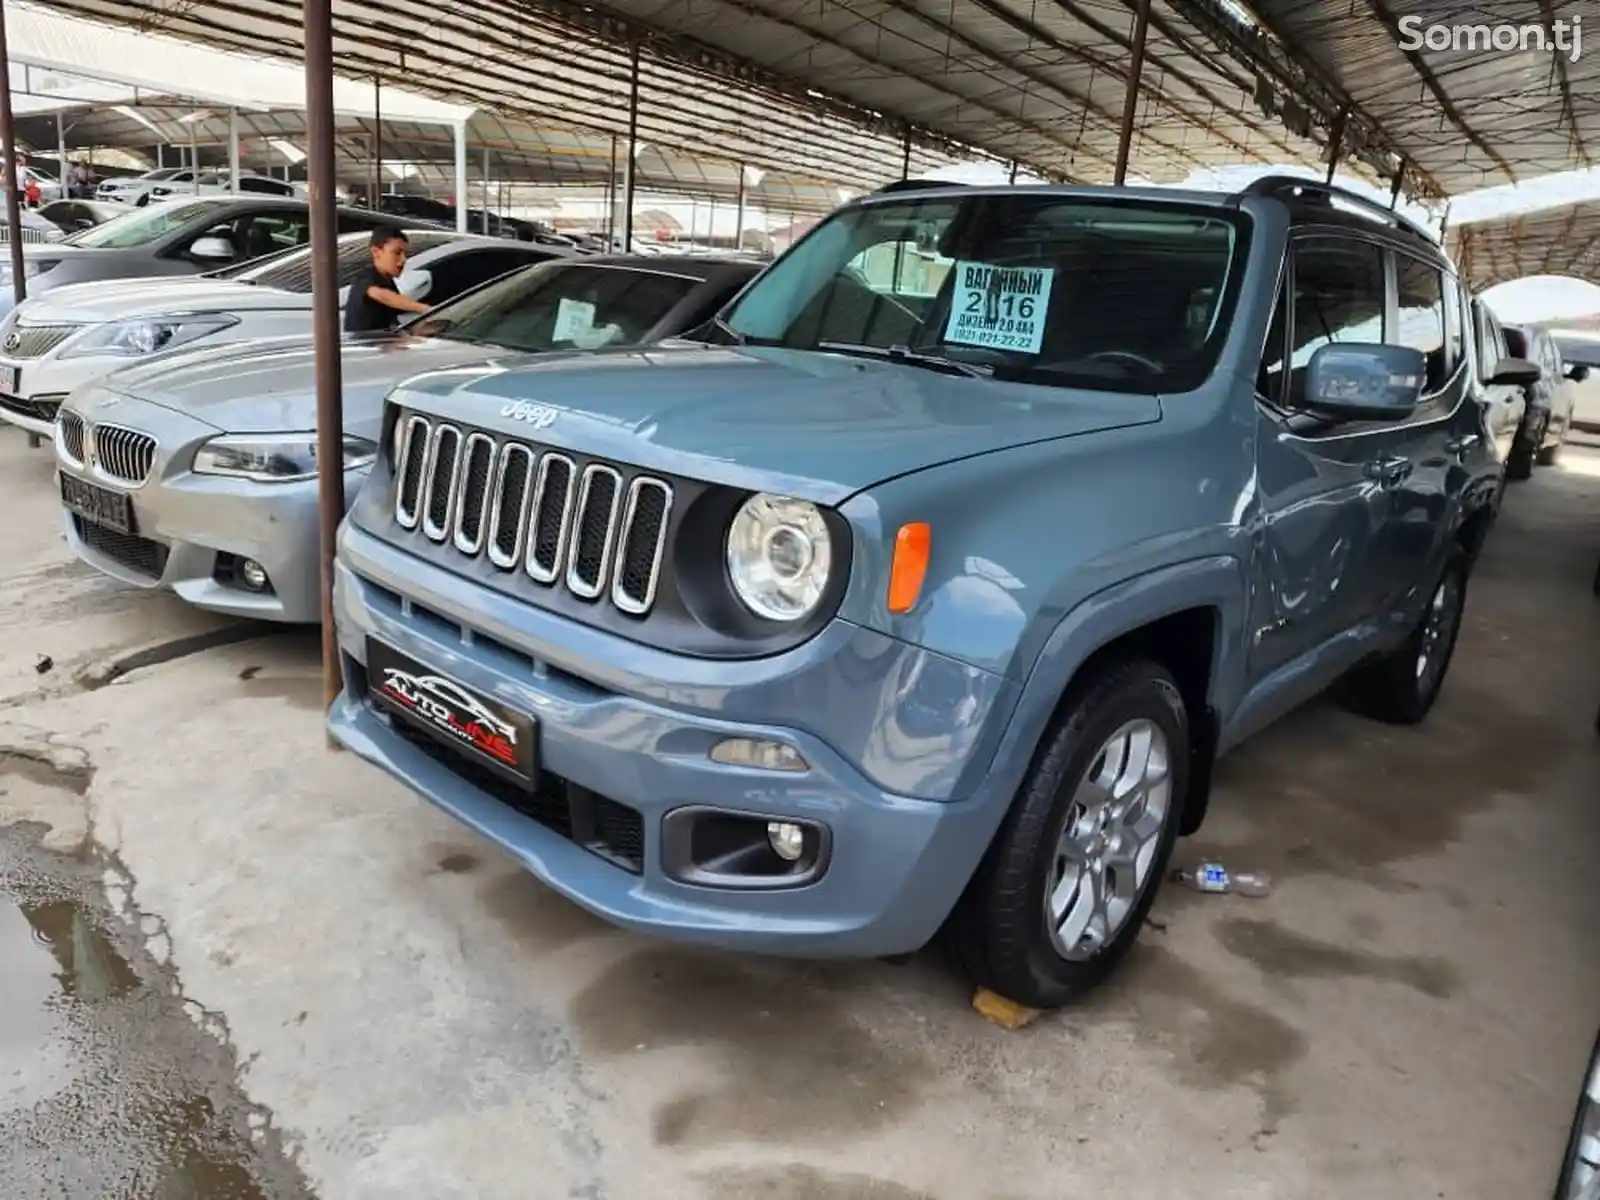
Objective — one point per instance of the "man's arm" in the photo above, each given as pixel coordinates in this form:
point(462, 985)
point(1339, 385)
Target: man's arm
point(390, 298)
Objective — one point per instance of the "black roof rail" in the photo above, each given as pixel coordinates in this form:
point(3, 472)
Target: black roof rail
point(917, 185)
point(1315, 192)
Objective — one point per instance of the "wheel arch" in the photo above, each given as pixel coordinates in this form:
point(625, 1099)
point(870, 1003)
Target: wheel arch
point(1189, 617)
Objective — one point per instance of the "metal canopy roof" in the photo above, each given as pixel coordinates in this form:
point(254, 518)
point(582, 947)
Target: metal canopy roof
point(828, 88)
point(519, 153)
point(1463, 118)
point(1564, 240)
point(37, 37)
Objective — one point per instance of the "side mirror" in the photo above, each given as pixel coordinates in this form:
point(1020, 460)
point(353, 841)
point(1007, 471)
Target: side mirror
point(1365, 381)
point(1518, 372)
point(83, 223)
point(1578, 372)
point(416, 284)
point(212, 249)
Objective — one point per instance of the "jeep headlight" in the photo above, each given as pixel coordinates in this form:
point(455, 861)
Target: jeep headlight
point(136, 338)
point(779, 556)
point(274, 458)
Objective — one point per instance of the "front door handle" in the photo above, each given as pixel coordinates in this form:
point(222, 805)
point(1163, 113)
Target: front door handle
point(1389, 470)
point(1461, 443)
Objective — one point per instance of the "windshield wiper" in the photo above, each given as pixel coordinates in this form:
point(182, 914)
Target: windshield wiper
point(912, 358)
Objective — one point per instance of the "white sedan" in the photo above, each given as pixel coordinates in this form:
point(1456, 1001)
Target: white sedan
point(75, 334)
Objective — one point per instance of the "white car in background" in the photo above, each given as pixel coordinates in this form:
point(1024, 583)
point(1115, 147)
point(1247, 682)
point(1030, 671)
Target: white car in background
point(75, 334)
point(1581, 348)
point(135, 189)
point(220, 183)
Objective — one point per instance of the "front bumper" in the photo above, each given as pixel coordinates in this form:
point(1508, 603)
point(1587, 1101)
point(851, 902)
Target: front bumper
point(897, 863)
point(43, 383)
point(190, 531)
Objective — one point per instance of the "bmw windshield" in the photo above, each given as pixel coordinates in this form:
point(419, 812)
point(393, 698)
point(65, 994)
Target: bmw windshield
point(1080, 291)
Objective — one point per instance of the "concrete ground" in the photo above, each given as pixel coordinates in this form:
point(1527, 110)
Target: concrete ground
point(400, 1012)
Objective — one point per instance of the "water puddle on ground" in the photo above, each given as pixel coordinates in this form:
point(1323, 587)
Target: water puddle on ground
point(112, 1083)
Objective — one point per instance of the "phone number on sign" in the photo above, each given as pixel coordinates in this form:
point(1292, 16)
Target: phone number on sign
point(994, 333)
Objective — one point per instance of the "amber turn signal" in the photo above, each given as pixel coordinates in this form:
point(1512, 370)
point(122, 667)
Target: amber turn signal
point(910, 565)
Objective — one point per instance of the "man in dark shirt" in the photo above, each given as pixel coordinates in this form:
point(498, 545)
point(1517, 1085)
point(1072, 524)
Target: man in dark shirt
point(375, 303)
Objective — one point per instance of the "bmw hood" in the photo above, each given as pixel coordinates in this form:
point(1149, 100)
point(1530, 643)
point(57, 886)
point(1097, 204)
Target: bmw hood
point(158, 296)
point(269, 385)
point(814, 425)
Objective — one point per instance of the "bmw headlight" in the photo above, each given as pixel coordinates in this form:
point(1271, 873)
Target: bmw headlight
point(136, 338)
point(274, 457)
point(779, 556)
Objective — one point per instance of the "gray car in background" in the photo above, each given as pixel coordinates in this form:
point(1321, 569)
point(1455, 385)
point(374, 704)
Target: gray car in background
point(183, 237)
point(196, 472)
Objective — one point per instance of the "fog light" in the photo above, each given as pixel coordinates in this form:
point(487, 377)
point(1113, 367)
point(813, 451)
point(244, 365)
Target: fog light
point(253, 575)
point(788, 840)
point(759, 753)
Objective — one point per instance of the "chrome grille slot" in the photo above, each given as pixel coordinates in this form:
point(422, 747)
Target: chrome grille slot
point(644, 535)
point(472, 492)
point(590, 528)
point(125, 455)
point(508, 510)
point(548, 525)
point(69, 432)
point(411, 465)
point(444, 459)
point(35, 341)
point(594, 531)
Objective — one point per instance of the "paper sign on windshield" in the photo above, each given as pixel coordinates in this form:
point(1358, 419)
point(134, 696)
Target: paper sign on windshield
point(1003, 308)
point(574, 318)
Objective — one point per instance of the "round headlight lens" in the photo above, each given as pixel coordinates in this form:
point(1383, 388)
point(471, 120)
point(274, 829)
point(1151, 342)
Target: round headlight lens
point(779, 556)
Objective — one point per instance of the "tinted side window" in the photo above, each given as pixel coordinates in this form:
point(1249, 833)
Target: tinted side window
point(460, 272)
point(354, 223)
point(1269, 377)
point(1419, 289)
point(1491, 341)
point(1339, 296)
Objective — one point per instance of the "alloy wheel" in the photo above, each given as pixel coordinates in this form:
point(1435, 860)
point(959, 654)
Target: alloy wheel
point(1109, 841)
point(1438, 624)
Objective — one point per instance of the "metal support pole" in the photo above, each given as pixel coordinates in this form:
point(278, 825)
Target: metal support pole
point(461, 177)
point(1336, 144)
point(61, 153)
point(1013, 172)
point(633, 149)
point(1130, 102)
point(377, 139)
point(8, 146)
point(1394, 192)
point(1444, 222)
point(711, 224)
point(738, 216)
point(611, 198)
point(194, 155)
point(233, 151)
point(905, 155)
point(160, 154)
point(486, 189)
point(322, 172)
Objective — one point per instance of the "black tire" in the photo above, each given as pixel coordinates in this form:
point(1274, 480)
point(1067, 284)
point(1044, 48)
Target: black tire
point(997, 935)
point(1391, 689)
point(1519, 462)
point(1565, 1185)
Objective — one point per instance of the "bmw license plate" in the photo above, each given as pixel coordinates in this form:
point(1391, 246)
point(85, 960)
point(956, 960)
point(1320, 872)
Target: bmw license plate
point(481, 729)
point(100, 505)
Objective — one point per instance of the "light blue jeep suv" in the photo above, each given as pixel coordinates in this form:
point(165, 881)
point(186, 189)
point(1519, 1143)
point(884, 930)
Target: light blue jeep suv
point(923, 593)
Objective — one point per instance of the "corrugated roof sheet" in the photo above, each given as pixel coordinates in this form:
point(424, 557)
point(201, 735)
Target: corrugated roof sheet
point(1564, 240)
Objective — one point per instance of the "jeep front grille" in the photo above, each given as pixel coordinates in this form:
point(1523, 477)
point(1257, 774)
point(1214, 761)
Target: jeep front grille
point(591, 530)
point(35, 341)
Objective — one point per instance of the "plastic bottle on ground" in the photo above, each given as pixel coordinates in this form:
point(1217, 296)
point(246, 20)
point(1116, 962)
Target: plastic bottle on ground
point(1213, 877)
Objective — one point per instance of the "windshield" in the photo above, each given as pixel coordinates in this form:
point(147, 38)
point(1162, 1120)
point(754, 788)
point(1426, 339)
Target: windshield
point(562, 306)
point(1126, 295)
point(141, 226)
point(1579, 350)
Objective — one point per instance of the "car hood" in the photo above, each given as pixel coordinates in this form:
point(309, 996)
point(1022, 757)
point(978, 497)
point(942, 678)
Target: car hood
point(124, 299)
point(270, 384)
point(818, 426)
